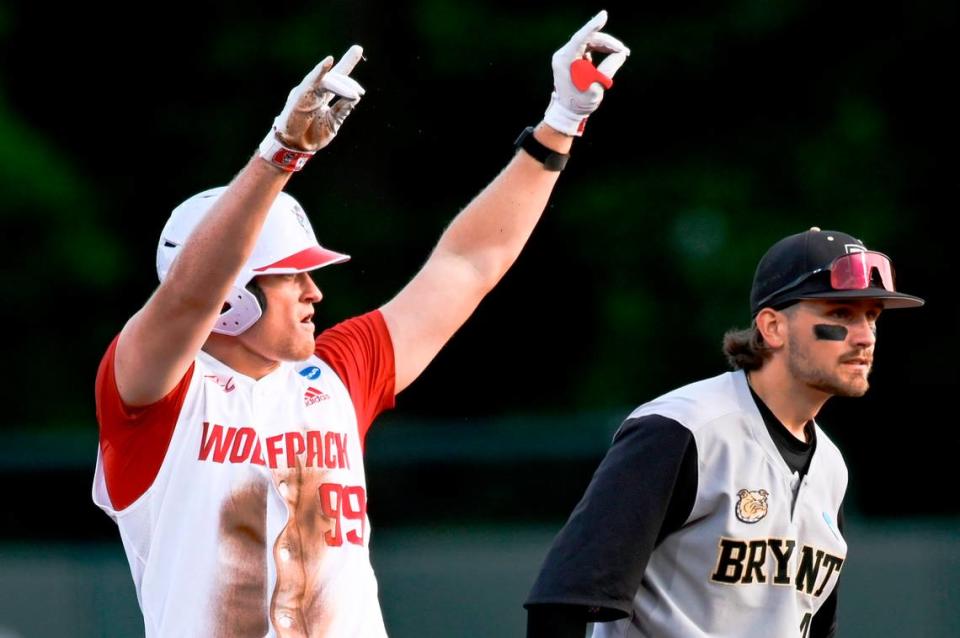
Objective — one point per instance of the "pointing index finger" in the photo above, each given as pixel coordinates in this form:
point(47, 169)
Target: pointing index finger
point(349, 60)
point(595, 24)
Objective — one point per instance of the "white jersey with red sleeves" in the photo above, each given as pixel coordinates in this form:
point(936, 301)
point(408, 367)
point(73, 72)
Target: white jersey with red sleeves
point(242, 503)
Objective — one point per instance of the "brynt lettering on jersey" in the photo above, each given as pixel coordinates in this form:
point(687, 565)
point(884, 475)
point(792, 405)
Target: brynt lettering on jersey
point(771, 560)
point(313, 448)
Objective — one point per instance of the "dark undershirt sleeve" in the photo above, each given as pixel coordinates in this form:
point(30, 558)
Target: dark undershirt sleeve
point(824, 623)
point(556, 621)
point(644, 489)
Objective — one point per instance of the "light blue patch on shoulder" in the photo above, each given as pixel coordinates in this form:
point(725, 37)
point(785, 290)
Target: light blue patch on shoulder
point(311, 372)
point(833, 528)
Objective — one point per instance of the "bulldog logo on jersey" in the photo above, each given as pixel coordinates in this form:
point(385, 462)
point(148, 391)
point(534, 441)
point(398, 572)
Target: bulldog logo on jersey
point(752, 506)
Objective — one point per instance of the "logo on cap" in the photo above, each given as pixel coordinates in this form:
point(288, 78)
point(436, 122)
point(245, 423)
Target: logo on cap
point(301, 218)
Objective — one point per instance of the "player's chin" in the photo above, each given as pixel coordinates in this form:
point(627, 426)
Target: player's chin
point(299, 349)
point(855, 387)
point(305, 348)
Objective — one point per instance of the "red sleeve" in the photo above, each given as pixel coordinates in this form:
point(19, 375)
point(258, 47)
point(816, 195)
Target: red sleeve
point(133, 441)
point(361, 353)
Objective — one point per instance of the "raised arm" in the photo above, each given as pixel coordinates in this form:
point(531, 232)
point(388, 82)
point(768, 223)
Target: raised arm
point(485, 239)
point(158, 344)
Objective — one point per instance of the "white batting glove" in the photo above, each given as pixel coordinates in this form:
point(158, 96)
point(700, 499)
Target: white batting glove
point(578, 84)
point(308, 122)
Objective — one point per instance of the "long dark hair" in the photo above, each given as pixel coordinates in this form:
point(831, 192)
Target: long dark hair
point(745, 349)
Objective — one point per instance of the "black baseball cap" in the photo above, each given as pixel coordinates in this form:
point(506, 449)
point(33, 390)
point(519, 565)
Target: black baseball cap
point(824, 264)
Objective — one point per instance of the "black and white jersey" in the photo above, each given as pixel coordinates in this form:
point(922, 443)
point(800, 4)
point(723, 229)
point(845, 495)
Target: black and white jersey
point(696, 525)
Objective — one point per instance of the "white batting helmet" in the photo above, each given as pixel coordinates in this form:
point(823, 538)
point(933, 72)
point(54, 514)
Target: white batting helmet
point(286, 245)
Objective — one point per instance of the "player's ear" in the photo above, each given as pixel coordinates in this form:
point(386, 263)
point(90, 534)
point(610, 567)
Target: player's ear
point(772, 326)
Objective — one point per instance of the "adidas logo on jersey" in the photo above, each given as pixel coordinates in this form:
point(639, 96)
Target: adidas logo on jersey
point(312, 395)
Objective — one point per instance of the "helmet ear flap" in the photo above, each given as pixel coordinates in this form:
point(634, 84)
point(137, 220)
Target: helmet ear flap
point(242, 311)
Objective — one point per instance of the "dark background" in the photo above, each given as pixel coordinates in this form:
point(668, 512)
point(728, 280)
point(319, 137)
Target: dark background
point(731, 125)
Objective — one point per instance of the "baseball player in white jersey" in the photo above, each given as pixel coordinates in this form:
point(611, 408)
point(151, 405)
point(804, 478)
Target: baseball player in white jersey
point(717, 511)
point(231, 438)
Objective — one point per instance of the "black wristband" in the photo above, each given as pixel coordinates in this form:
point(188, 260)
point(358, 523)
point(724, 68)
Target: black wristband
point(551, 160)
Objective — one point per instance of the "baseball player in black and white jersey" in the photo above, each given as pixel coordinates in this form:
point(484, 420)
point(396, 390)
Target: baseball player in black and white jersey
point(717, 510)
